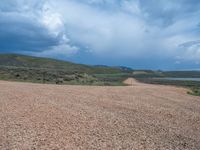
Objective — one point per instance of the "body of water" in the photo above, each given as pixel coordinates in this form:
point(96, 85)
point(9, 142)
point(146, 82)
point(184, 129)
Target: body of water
point(181, 79)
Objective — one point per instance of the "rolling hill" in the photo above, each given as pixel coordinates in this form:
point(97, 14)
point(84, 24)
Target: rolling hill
point(36, 69)
point(22, 61)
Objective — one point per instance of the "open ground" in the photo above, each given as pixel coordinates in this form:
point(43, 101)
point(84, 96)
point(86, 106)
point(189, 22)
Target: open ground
point(139, 116)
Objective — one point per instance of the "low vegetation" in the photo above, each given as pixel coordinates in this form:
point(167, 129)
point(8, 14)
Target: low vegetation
point(44, 70)
point(195, 91)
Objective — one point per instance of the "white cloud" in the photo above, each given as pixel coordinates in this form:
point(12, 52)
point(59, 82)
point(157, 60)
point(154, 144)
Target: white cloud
point(191, 51)
point(63, 50)
point(125, 32)
point(102, 31)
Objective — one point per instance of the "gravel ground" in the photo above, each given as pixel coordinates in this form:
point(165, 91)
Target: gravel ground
point(140, 116)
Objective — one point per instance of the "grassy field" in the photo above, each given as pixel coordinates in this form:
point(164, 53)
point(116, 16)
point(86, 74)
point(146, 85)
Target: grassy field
point(30, 62)
point(53, 76)
point(44, 70)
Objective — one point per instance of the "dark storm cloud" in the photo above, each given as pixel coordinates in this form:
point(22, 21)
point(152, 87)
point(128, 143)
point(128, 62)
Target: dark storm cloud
point(19, 33)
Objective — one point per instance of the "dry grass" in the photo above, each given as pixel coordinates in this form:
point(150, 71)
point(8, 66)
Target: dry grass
point(141, 116)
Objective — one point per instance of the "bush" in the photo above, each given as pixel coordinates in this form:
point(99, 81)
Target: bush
point(17, 75)
point(69, 77)
point(59, 81)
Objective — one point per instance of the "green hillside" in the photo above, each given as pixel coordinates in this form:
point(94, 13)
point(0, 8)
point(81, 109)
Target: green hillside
point(22, 61)
point(35, 69)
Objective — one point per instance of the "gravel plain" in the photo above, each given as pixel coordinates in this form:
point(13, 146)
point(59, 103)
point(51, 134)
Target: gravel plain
point(139, 117)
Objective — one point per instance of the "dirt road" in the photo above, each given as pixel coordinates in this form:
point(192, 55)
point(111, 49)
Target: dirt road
point(141, 116)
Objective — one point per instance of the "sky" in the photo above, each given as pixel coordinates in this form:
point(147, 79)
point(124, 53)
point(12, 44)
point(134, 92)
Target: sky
point(142, 34)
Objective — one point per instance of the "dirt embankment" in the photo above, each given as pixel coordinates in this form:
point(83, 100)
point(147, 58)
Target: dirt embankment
point(36, 116)
point(131, 82)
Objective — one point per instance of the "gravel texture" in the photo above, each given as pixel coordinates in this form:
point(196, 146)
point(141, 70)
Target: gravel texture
point(140, 116)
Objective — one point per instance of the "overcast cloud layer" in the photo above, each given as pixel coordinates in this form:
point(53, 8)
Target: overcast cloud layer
point(156, 34)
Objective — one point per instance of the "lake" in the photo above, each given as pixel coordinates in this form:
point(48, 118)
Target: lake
point(181, 79)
